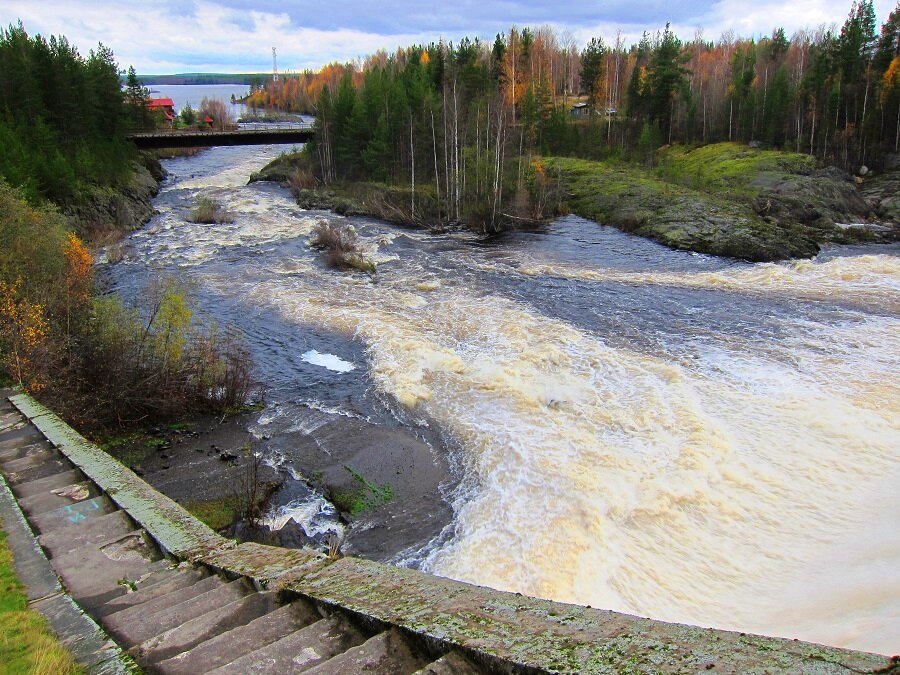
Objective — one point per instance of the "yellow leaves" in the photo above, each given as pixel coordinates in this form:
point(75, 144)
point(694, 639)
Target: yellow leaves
point(891, 78)
point(23, 331)
point(425, 59)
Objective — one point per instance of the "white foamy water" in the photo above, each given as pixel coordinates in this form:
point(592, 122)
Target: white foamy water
point(329, 361)
point(717, 446)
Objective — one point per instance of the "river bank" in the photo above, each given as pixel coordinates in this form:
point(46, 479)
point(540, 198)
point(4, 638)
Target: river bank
point(647, 403)
point(724, 199)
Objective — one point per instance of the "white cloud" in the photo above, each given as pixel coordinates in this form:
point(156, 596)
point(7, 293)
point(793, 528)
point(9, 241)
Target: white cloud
point(183, 36)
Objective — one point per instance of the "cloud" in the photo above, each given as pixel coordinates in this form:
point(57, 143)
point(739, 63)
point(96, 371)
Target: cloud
point(238, 35)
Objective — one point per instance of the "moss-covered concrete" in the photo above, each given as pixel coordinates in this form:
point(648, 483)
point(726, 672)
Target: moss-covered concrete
point(503, 632)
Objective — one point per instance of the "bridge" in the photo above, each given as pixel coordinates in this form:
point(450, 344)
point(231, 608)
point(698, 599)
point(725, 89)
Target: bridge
point(274, 135)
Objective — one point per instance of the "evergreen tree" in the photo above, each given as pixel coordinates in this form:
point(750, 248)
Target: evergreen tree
point(591, 64)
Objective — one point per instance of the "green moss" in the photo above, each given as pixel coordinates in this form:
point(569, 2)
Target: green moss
point(637, 200)
point(729, 168)
point(364, 498)
point(132, 448)
point(217, 513)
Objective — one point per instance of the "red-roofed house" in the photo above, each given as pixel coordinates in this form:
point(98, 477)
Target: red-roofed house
point(167, 105)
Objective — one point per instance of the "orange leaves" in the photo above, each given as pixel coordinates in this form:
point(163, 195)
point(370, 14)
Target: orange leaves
point(23, 331)
point(79, 276)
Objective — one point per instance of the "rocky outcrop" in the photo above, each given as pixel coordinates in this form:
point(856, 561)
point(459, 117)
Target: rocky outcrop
point(106, 210)
point(636, 201)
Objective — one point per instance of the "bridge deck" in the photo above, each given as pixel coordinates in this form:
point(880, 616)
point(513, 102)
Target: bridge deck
point(195, 139)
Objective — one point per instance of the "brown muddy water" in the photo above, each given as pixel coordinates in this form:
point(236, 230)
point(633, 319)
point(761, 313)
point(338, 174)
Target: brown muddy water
point(620, 425)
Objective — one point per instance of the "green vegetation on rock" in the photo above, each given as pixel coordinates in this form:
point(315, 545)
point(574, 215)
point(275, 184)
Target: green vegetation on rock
point(366, 497)
point(635, 200)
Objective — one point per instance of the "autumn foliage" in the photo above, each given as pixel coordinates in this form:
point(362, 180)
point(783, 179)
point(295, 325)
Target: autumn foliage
point(92, 358)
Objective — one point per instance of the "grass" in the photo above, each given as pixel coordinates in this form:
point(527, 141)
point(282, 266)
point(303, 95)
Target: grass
point(341, 246)
point(211, 212)
point(367, 496)
point(26, 643)
point(217, 513)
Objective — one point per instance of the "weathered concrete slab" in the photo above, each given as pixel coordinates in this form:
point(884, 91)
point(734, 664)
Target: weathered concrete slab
point(169, 524)
point(43, 470)
point(155, 586)
point(19, 451)
point(450, 664)
point(263, 564)
point(229, 646)
point(497, 631)
point(72, 515)
point(503, 629)
point(384, 654)
point(90, 531)
point(298, 651)
point(189, 634)
point(94, 574)
point(90, 646)
point(28, 461)
point(41, 485)
point(133, 627)
point(57, 498)
point(24, 435)
point(29, 561)
point(162, 601)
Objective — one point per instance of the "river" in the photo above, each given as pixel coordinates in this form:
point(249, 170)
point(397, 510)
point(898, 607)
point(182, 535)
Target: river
point(633, 428)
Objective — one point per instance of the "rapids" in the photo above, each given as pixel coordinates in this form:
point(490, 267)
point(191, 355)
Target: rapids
point(638, 429)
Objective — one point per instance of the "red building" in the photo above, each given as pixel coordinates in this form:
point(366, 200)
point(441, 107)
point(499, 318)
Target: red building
point(166, 105)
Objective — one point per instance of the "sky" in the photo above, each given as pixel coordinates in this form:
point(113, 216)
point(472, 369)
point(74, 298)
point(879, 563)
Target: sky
point(178, 36)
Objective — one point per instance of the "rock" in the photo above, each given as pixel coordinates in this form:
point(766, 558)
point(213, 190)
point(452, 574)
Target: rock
point(863, 170)
point(227, 456)
point(754, 144)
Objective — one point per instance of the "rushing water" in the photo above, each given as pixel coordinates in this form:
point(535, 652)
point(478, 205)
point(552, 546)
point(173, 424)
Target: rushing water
point(645, 430)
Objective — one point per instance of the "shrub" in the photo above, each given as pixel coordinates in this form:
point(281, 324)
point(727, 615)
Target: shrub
point(341, 246)
point(211, 212)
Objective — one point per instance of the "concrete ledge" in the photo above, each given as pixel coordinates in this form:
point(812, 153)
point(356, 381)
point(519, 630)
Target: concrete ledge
point(501, 631)
point(173, 528)
point(76, 631)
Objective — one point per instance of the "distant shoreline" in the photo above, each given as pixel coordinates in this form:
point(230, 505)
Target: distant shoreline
point(205, 78)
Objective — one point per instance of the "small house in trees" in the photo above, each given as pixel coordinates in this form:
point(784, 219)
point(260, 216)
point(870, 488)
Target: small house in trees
point(581, 110)
point(165, 105)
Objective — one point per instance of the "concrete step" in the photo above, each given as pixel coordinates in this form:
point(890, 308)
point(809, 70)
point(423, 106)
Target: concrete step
point(132, 626)
point(95, 530)
point(387, 653)
point(19, 436)
point(36, 487)
point(298, 652)
point(155, 586)
point(94, 574)
point(58, 497)
point(23, 450)
point(187, 635)
point(65, 517)
point(450, 664)
point(227, 647)
point(49, 467)
point(168, 597)
point(29, 461)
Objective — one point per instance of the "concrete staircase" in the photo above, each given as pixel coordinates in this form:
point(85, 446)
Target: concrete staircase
point(175, 617)
point(179, 598)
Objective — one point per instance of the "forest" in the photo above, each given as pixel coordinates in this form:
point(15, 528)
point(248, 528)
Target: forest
point(63, 121)
point(462, 121)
